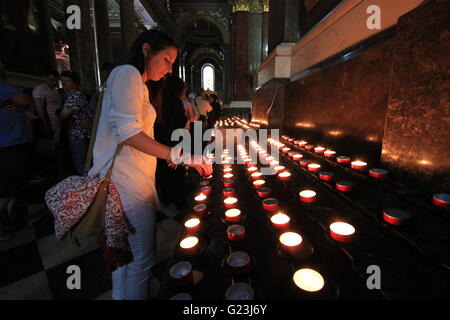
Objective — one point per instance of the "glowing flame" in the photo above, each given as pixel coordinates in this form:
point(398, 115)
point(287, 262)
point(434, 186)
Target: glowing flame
point(280, 218)
point(308, 280)
point(307, 194)
point(342, 228)
point(191, 223)
point(189, 242)
point(291, 239)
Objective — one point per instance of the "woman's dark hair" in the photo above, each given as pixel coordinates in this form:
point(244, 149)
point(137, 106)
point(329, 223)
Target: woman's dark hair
point(156, 39)
point(72, 75)
point(214, 97)
point(173, 86)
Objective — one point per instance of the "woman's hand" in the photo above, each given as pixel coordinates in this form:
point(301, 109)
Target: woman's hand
point(204, 169)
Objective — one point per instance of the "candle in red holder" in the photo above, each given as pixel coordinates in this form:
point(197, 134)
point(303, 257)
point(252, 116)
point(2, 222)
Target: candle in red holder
point(263, 192)
point(308, 280)
point(290, 241)
point(227, 176)
point(227, 170)
point(204, 183)
point(342, 232)
point(181, 273)
point(378, 173)
point(252, 170)
point(281, 146)
point(304, 162)
point(345, 186)
point(229, 192)
point(297, 142)
point(230, 202)
point(208, 177)
point(297, 157)
point(291, 154)
point(302, 143)
point(280, 220)
point(343, 159)
point(206, 190)
point(329, 153)
point(395, 217)
point(251, 165)
point(286, 150)
point(236, 232)
point(442, 200)
point(228, 183)
point(309, 147)
point(279, 169)
point(270, 158)
point(359, 165)
point(192, 225)
point(319, 150)
point(284, 176)
point(326, 176)
point(291, 139)
point(270, 204)
point(200, 208)
point(274, 163)
point(258, 184)
point(239, 262)
point(314, 167)
point(256, 175)
point(307, 196)
point(190, 245)
point(201, 198)
point(233, 215)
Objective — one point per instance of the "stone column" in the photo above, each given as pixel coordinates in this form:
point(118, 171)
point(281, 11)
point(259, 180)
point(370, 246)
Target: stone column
point(227, 81)
point(255, 39)
point(265, 31)
point(81, 46)
point(48, 46)
point(240, 24)
point(291, 21)
point(103, 34)
point(127, 24)
point(276, 24)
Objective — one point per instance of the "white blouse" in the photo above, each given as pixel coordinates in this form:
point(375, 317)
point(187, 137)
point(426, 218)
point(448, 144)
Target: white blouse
point(126, 111)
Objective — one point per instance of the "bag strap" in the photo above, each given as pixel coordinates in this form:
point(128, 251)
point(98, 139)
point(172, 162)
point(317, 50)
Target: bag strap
point(98, 110)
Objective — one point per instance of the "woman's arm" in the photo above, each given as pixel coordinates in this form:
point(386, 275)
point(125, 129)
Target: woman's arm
point(144, 143)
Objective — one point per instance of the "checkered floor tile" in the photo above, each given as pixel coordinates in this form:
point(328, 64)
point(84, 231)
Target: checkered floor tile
point(33, 265)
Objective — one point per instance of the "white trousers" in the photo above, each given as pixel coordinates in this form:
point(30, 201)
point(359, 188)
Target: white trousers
point(132, 281)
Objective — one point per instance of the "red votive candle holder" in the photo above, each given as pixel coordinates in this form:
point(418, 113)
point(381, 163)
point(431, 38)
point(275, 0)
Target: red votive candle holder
point(189, 245)
point(326, 176)
point(228, 183)
point(274, 163)
point(304, 162)
point(307, 196)
point(303, 143)
point(236, 232)
point(329, 153)
point(342, 232)
point(309, 147)
point(204, 183)
point(297, 157)
point(192, 225)
point(227, 176)
point(395, 217)
point(270, 204)
point(256, 176)
point(200, 208)
point(290, 241)
point(227, 170)
point(297, 142)
point(201, 198)
point(291, 140)
point(291, 154)
point(280, 220)
point(229, 192)
point(343, 159)
point(319, 150)
point(233, 215)
point(206, 190)
point(345, 186)
point(279, 169)
point(314, 167)
point(263, 192)
point(258, 184)
point(230, 202)
point(378, 173)
point(442, 200)
point(252, 169)
point(284, 176)
point(359, 165)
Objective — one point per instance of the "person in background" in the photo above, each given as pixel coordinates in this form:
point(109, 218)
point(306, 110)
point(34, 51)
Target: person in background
point(15, 145)
point(202, 105)
point(47, 101)
point(105, 70)
point(169, 180)
point(217, 109)
point(75, 115)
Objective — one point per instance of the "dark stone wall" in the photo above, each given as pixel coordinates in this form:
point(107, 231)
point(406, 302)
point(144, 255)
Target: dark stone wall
point(241, 84)
point(389, 105)
point(417, 134)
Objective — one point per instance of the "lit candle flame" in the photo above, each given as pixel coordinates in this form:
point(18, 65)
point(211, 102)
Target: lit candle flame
point(307, 193)
point(342, 228)
point(308, 280)
point(291, 239)
point(232, 213)
point(191, 223)
point(280, 218)
point(189, 242)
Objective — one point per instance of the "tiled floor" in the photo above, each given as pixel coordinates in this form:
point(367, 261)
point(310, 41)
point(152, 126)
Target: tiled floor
point(34, 264)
